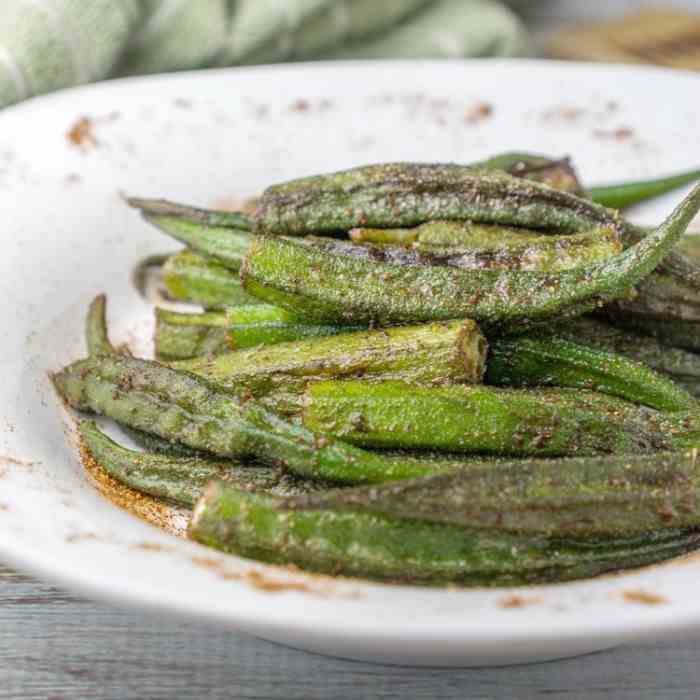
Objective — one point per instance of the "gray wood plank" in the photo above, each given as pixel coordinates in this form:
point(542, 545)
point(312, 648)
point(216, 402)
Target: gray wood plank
point(56, 645)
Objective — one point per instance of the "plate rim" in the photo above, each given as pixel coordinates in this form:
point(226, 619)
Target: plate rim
point(660, 620)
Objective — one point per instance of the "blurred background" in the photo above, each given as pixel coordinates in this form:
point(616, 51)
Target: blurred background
point(47, 45)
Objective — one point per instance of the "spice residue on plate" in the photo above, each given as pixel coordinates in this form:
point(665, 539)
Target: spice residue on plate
point(517, 601)
point(81, 133)
point(169, 518)
point(270, 582)
point(643, 598)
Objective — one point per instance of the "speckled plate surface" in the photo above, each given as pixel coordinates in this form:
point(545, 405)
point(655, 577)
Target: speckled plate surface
point(216, 138)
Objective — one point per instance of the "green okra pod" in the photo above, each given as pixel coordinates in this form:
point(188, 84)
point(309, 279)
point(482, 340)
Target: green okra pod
point(335, 281)
point(546, 360)
point(408, 194)
point(554, 172)
point(339, 539)
point(667, 331)
point(681, 365)
point(162, 446)
point(560, 174)
point(489, 420)
point(188, 276)
point(96, 336)
point(183, 407)
point(625, 194)
point(429, 354)
point(610, 496)
point(180, 336)
point(221, 235)
point(482, 246)
point(182, 479)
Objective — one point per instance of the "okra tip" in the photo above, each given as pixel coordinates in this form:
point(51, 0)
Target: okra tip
point(159, 207)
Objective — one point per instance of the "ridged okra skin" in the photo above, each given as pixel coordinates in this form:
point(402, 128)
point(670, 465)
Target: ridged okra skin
point(429, 354)
point(181, 480)
point(342, 540)
point(471, 246)
point(335, 281)
point(188, 276)
point(409, 194)
point(625, 194)
point(182, 336)
point(667, 331)
point(682, 366)
point(546, 360)
point(184, 408)
point(221, 235)
point(490, 420)
point(583, 497)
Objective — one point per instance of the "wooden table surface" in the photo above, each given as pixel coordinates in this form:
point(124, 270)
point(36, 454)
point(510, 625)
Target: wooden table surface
point(56, 645)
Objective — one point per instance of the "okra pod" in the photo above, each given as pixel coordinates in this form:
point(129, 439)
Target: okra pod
point(153, 443)
point(180, 336)
point(409, 194)
point(554, 172)
point(96, 336)
point(489, 420)
point(188, 276)
point(559, 174)
point(184, 408)
point(482, 246)
point(610, 496)
point(335, 281)
point(625, 194)
point(547, 360)
point(429, 354)
point(668, 331)
point(341, 540)
point(679, 364)
point(221, 235)
point(182, 479)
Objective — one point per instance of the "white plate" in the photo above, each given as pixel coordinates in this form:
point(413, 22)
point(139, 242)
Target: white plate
point(218, 136)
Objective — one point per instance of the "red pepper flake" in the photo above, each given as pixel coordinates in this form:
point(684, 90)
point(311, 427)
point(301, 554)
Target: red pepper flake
point(300, 106)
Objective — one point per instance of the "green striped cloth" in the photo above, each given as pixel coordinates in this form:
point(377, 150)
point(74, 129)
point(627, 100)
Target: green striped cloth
point(51, 44)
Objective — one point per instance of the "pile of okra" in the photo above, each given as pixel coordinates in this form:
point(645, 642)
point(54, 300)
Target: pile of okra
point(430, 373)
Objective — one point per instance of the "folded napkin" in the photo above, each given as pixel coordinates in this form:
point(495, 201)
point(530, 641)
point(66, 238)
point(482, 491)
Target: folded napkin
point(50, 44)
